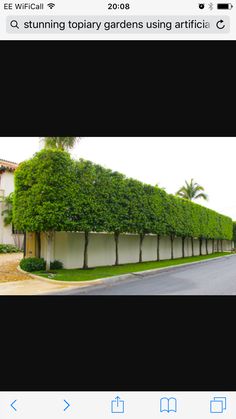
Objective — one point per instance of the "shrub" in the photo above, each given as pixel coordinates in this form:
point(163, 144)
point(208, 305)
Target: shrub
point(8, 248)
point(33, 264)
point(56, 264)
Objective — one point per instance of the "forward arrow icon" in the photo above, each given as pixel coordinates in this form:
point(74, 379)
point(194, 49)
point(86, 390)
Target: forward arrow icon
point(67, 405)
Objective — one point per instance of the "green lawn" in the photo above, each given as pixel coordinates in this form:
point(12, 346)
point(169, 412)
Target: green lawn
point(107, 271)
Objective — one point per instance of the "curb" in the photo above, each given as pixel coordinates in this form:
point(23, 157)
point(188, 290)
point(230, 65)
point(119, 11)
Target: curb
point(51, 281)
point(119, 278)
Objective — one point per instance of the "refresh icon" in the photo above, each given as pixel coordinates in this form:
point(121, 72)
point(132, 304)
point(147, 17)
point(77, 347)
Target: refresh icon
point(220, 24)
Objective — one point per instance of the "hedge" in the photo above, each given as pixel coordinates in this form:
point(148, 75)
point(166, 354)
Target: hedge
point(55, 193)
point(234, 232)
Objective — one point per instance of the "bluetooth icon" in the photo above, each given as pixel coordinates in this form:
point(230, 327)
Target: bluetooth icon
point(210, 5)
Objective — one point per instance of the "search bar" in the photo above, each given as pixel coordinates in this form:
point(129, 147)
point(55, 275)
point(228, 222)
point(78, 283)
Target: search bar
point(117, 24)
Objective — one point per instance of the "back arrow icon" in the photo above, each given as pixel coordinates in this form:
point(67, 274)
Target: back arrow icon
point(13, 407)
point(67, 405)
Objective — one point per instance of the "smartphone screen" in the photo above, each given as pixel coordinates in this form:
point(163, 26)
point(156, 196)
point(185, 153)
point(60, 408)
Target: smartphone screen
point(131, 19)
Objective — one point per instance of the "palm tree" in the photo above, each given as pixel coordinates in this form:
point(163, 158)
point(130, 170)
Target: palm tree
point(190, 191)
point(61, 143)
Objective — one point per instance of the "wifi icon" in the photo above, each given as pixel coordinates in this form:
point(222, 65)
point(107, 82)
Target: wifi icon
point(51, 5)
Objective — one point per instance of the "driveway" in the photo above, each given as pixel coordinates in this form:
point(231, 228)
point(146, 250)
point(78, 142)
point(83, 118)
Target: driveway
point(8, 268)
point(13, 282)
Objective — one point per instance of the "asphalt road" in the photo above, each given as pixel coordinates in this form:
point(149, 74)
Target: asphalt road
point(214, 277)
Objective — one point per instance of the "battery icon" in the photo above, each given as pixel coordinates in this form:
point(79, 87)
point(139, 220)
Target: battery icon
point(224, 6)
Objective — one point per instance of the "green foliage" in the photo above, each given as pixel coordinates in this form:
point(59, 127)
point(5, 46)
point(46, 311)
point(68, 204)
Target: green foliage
point(61, 143)
point(56, 264)
point(44, 188)
point(191, 190)
point(234, 232)
point(53, 192)
point(91, 201)
point(7, 212)
point(9, 248)
point(33, 264)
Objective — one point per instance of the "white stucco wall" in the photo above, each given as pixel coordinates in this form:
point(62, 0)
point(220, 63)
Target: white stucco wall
point(188, 247)
point(165, 248)
point(7, 182)
point(7, 187)
point(150, 248)
point(177, 248)
point(101, 250)
point(1, 224)
point(203, 247)
point(227, 245)
point(128, 248)
point(69, 248)
point(196, 248)
point(210, 246)
point(5, 231)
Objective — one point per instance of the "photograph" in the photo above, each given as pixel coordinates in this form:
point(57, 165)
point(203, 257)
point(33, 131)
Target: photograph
point(117, 216)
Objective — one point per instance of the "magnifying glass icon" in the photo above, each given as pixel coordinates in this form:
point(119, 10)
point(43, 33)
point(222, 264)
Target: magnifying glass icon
point(14, 24)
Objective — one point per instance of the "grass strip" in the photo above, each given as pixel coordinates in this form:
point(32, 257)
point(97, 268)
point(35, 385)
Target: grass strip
point(107, 271)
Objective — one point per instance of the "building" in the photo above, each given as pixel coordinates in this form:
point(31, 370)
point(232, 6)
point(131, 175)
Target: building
point(7, 234)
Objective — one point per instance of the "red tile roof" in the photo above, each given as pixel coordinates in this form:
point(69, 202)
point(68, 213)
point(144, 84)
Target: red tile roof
point(8, 166)
point(5, 164)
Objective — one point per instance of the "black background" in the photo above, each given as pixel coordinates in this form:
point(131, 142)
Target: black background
point(91, 88)
point(117, 88)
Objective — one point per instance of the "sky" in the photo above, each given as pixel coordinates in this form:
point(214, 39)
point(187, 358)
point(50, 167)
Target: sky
point(166, 161)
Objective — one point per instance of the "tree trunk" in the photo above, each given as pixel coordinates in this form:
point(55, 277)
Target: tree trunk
point(49, 235)
point(200, 242)
point(172, 247)
point(38, 244)
point(183, 250)
point(86, 242)
point(117, 247)
point(207, 246)
point(158, 247)
point(192, 241)
point(141, 247)
point(221, 245)
point(213, 245)
point(24, 244)
point(218, 246)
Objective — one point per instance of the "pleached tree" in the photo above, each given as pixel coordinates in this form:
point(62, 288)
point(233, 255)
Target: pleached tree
point(44, 195)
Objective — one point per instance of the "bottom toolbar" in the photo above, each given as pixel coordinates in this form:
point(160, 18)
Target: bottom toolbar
point(104, 405)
